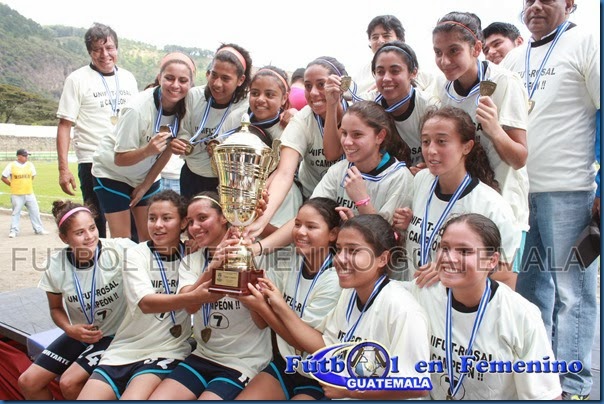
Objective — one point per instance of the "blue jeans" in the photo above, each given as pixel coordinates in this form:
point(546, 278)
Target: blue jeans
point(552, 278)
point(173, 184)
point(30, 202)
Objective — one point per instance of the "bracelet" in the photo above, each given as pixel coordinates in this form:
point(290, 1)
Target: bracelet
point(261, 248)
point(363, 202)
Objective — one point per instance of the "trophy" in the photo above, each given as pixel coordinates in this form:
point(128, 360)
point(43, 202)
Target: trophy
point(243, 163)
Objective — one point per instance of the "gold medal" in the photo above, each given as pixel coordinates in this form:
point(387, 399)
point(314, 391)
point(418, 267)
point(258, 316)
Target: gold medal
point(206, 333)
point(531, 105)
point(94, 328)
point(189, 149)
point(113, 119)
point(345, 82)
point(487, 88)
point(449, 397)
point(165, 129)
point(176, 330)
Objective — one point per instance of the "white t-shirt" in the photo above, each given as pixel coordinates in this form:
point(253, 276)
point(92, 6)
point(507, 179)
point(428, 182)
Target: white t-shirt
point(365, 80)
point(511, 99)
point(394, 319)
point(561, 127)
point(110, 303)
point(304, 136)
point(147, 336)
point(199, 161)
point(477, 198)
point(320, 300)
point(511, 330)
point(235, 341)
point(134, 130)
point(408, 124)
point(389, 187)
point(85, 101)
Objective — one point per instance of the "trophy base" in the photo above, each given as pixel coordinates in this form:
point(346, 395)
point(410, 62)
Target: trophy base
point(234, 282)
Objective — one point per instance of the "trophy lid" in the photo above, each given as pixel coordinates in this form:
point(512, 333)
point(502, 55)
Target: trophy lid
point(244, 137)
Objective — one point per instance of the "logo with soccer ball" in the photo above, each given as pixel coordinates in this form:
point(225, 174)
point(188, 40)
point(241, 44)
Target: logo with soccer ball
point(368, 359)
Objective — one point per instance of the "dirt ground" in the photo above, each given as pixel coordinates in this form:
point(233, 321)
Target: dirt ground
point(22, 258)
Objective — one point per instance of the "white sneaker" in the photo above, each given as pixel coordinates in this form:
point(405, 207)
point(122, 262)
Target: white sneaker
point(12, 234)
point(42, 233)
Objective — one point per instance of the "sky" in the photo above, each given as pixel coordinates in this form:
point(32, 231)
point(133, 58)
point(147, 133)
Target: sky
point(274, 35)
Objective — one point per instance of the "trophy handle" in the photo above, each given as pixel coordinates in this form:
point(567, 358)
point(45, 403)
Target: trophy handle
point(275, 154)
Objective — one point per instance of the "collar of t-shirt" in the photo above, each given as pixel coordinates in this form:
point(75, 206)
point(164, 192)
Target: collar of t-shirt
point(405, 115)
point(447, 197)
point(82, 265)
point(550, 37)
point(207, 94)
point(387, 161)
point(156, 100)
point(370, 302)
point(93, 67)
point(167, 258)
point(464, 309)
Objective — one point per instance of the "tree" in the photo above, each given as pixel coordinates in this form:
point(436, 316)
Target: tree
point(11, 98)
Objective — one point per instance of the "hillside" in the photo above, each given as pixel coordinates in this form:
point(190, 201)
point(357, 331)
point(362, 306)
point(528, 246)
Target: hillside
point(37, 59)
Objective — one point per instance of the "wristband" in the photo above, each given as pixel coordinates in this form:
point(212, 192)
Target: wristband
point(363, 202)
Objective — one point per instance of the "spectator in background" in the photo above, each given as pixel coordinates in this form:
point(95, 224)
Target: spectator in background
point(297, 99)
point(19, 176)
point(499, 39)
point(91, 99)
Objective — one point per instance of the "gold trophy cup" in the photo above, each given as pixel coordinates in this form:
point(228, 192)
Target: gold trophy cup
point(243, 163)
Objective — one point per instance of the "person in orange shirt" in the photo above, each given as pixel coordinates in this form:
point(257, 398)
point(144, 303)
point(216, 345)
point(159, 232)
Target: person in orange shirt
point(19, 176)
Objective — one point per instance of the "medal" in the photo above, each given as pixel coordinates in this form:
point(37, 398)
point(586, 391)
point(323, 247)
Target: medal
point(189, 149)
point(113, 119)
point(165, 129)
point(345, 82)
point(487, 88)
point(449, 397)
point(531, 105)
point(206, 333)
point(176, 330)
point(94, 328)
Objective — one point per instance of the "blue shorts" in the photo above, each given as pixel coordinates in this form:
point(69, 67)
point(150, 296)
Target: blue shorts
point(63, 351)
point(118, 377)
point(293, 383)
point(114, 196)
point(199, 375)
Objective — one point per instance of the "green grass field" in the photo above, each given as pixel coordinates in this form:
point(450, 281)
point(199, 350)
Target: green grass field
point(46, 185)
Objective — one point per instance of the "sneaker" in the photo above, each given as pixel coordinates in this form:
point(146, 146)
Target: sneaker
point(42, 233)
point(570, 396)
point(12, 234)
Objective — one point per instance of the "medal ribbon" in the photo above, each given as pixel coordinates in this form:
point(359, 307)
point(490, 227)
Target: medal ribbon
point(205, 308)
point(272, 120)
point(426, 241)
point(114, 102)
point(324, 266)
point(531, 89)
point(204, 120)
point(353, 92)
point(318, 118)
point(473, 91)
point(482, 308)
point(352, 302)
point(78, 288)
point(397, 104)
point(164, 279)
point(175, 124)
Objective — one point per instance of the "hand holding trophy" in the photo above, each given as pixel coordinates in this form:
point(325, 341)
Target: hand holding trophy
point(243, 163)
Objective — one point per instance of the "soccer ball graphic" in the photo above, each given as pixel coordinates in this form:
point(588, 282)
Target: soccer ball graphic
point(368, 360)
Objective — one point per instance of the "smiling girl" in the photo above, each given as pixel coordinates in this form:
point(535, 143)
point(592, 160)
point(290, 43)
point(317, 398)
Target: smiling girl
point(371, 306)
point(74, 277)
point(483, 318)
point(310, 286)
point(208, 107)
point(500, 116)
point(459, 179)
point(301, 151)
point(128, 163)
